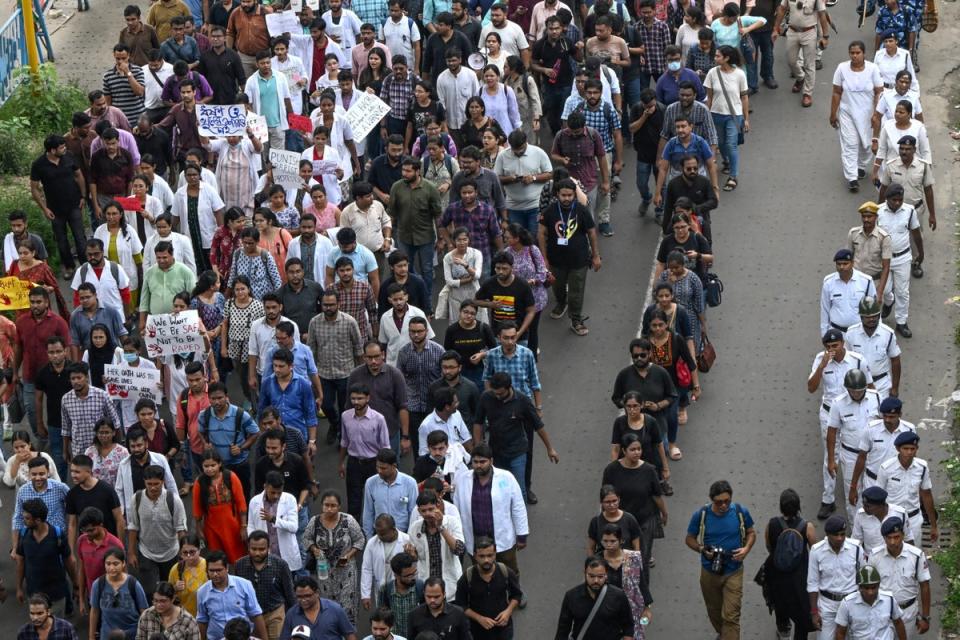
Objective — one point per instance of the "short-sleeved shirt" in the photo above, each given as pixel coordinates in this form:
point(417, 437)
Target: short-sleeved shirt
point(508, 422)
point(583, 150)
point(636, 487)
point(92, 555)
point(694, 242)
point(54, 386)
point(629, 529)
point(674, 151)
point(531, 162)
point(568, 240)
point(721, 531)
point(216, 608)
point(102, 496)
point(515, 297)
point(60, 188)
point(221, 433)
point(43, 566)
point(650, 436)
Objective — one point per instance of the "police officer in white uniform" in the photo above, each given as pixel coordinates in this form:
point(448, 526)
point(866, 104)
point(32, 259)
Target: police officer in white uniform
point(869, 613)
point(877, 343)
point(906, 480)
point(842, 292)
point(871, 516)
point(832, 567)
point(901, 221)
point(829, 368)
point(876, 445)
point(850, 414)
point(904, 572)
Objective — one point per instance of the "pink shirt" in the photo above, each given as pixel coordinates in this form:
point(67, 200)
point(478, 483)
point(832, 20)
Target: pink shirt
point(91, 554)
point(358, 56)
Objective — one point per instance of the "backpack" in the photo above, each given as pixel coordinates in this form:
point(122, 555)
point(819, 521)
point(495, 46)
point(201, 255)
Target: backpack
point(447, 162)
point(136, 503)
point(391, 586)
point(788, 550)
point(97, 588)
point(469, 571)
point(203, 423)
point(703, 523)
point(114, 271)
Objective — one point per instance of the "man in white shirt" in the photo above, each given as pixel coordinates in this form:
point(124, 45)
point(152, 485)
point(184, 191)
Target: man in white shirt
point(513, 39)
point(292, 68)
point(156, 74)
point(455, 86)
point(375, 569)
point(343, 25)
point(401, 35)
point(275, 512)
point(445, 418)
point(392, 337)
point(108, 278)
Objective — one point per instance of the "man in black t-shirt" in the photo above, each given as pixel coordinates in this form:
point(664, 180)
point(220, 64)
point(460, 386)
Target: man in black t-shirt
point(646, 122)
point(59, 189)
point(43, 558)
point(51, 383)
point(568, 241)
point(87, 491)
point(297, 478)
point(553, 56)
point(509, 298)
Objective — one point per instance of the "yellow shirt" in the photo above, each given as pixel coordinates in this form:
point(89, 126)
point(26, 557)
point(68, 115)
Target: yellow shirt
point(193, 579)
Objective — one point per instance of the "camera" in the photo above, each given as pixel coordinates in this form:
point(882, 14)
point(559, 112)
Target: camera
point(718, 558)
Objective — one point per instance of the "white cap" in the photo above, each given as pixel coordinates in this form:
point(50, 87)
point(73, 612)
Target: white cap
point(301, 631)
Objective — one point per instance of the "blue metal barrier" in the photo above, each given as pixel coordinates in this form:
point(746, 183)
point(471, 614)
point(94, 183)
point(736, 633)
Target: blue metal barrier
point(13, 52)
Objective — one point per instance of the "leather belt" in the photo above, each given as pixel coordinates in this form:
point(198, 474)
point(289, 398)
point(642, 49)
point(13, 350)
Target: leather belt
point(901, 253)
point(837, 326)
point(803, 30)
point(825, 406)
point(850, 449)
point(881, 376)
point(888, 85)
point(830, 595)
point(907, 603)
point(870, 474)
point(913, 513)
point(876, 276)
point(362, 460)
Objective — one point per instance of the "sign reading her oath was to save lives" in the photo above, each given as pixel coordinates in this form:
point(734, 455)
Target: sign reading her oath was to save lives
point(365, 113)
point(172, 333)
point(131, 383)
point(218, 120)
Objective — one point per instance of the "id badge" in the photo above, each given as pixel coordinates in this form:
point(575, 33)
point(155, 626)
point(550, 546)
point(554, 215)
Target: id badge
point(562, 241)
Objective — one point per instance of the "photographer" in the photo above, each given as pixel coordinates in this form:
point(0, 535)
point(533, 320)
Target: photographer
point(722, 533)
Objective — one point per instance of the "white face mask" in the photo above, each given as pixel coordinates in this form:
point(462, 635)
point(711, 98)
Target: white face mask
point(673, 65)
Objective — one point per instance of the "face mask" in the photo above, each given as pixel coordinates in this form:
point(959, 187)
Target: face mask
point(674, 65)
point(186, 356)
point(131, 357)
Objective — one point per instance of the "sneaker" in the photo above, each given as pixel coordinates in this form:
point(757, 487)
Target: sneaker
point(579, 328)
point(606, 229)
point(825, 510)
point(770, 83)
point(532, 497)
point(861, 174)
point(559, 311)
point(643, 208)
point(853, 186)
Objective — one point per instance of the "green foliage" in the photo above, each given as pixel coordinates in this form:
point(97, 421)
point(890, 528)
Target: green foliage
point(15, 194)
point(15, 146)
point(45, 104)
point(949, 557)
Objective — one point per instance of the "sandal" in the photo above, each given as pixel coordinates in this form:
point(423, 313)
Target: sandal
point(682, 416)
point(675, 453)
point(579, 328)
point(731, 184)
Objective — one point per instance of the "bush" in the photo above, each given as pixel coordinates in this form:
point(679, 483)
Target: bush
point(15, 194)
point(46, 104)
point(15, 146)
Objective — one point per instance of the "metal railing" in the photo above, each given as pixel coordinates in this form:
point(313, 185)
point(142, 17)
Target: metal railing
point(13, 50)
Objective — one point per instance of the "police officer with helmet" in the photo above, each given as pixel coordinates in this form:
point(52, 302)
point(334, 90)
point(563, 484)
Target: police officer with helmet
point(877, 343)
point(850, 414)
point(869, 613)
point(905, 573)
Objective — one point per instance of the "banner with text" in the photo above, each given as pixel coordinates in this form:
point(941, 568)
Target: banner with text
point(172, 333)
point(281, 22)
point(14, 293)
point(132, 383)
point(365, 113)
point(219, 120)
point(285, 168)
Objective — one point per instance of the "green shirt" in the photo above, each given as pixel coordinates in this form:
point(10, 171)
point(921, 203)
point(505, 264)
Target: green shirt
point(160, 286)
point(415, 212)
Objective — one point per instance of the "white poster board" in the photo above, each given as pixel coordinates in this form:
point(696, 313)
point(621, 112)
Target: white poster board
point(285, 168)
point(219, 120)
point(365, 113)
point(132, 383)
point(258, 126)
point(171, 333)
point(279, 23)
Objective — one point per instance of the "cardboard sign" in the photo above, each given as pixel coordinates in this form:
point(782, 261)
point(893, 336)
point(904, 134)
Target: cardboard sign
point(14, 293)
point(132, 383)
point(300, 123)
point(219, 120)
point(172, 333)
point(285, 168)
point(314, 4)
point(296, 6)
point(258, 126)
point(279, 23)
point(365, 113)
point(325, 167)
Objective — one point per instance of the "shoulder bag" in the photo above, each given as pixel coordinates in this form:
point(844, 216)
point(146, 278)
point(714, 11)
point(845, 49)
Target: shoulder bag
point(733, 113)
point(707, 356)
point(747, 48)
point(593, 613)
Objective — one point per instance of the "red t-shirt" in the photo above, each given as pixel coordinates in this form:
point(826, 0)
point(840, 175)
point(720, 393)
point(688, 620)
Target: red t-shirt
point(92, 554)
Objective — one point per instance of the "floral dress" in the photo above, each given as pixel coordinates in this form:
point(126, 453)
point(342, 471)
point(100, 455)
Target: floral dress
point(239, 320)
point(224, 243)
point(106, 467)
point(343, 584)
point(288, 217)
point(688, 291)
point(632, 577)
point(528, 265)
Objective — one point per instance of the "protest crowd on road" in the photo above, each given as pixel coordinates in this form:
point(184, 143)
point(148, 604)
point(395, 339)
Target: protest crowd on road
point(321, 240)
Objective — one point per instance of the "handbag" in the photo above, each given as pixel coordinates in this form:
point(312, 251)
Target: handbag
point(707, 356)
point(930, 18)
point(726, 96)
point(713, 287)
point(747, 47)
point(593, 613)
point(684, 377)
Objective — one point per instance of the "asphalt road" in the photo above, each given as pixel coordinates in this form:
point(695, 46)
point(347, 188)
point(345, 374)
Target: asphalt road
point(755, 425)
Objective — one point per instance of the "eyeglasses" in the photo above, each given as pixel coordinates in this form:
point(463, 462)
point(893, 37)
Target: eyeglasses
point(721, 502)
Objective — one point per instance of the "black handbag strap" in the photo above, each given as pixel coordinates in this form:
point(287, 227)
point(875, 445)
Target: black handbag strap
point(726, 96)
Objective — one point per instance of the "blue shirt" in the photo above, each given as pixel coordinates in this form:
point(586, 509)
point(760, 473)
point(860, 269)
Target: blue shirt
point(331, 624)
point(295, 403)
point(215, 608)
point(303, 362)
point(398, 499)
point(362, 258)
point(118, 610)
point(522, 368)
point(668, 87)
point(188, 52)
point(721, 531)
point(269, 107)
point(220, 432)
point(674, 151)
point(54, 497)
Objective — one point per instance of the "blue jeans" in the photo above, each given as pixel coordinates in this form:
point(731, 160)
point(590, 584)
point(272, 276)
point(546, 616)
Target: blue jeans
point(645, 171)
point(764, 45)
point(728, 128)
point(751, 67)
point(526, 218)
point(424, 265)
point(673, 424)
point(553, 97)
point(56, 449)
point(518, 467)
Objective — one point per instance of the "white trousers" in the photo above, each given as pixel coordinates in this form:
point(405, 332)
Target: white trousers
point(829, 482)
point(855, 132)
point(897, 290)
point(847, 462)
point(910, 620)
point(828, 618)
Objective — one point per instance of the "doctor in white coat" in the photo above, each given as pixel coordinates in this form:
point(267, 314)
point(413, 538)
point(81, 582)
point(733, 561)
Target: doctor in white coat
point(265, 75)
point(452, 545)
point(140, 455)
point(276, 508)
point(375, 569)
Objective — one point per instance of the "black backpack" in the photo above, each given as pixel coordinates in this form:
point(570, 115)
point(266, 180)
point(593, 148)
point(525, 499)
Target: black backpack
point(790, 546)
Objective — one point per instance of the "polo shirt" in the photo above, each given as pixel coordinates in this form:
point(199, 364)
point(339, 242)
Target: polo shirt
point(60, 188)
point(215, 608)
point(159, 287)
point(117, 88)
point(220, 432)
point(531, 162)
point(43, 562)
point(92, 555)
point(269, 106)
point(508, 423)
point(32, 337)
point(364, 262)
point(674, 151)
point(301, 306)
point(331, 623)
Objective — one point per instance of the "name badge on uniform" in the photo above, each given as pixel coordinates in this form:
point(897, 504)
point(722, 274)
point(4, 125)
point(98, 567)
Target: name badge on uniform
point(562, 241)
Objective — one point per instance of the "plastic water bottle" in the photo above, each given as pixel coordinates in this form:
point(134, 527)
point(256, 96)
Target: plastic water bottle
point(644, 621)
point(323, 568)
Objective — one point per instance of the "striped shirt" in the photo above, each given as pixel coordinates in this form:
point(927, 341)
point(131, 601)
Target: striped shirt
point(117, 88)
point(54, 496)
point(421, 369)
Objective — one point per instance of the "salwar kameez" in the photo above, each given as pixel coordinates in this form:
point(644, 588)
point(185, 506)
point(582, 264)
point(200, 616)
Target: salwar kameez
point(853, 117)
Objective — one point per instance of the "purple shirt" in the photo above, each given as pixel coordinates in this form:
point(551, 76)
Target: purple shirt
point(362, 436)
point(171, 88)
point(481, 508)
point(127, 141)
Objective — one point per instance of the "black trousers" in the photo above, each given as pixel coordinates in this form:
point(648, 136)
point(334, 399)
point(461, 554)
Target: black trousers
point(358, 471)
point(71, 220)
point(416, 417)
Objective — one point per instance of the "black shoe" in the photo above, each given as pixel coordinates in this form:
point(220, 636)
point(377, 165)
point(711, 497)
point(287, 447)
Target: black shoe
point(825, 510)
point(754, 91)
point(643, 208)
point(770, 83)
point(666, 487)
point(885, 312)
point(904, 330)
point(853, 186)
point(331, 434)
point(861, 174)
point(532, 497)
point(819, 63)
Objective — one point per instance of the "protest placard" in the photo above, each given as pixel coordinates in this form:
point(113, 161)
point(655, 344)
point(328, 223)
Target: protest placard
point(124, 382)
point(300, 123)
point(365, 113)
point(296, 6)
point(281, 22)
point(14, 293)
point(324, 167)
point(172, 333)
point(314, 4)
point(258, 126)
point(285, 168)
point(218, 120)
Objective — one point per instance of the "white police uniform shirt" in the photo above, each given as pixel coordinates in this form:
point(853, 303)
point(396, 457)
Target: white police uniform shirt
point(850, 418)
point(898, 224)
point(901, 575)
point(869, 622)
point(903, 486)
point(866, 527)
point(835, 572)
point(877, 443)
point(832, 379)
point(840, 301)
point(878, 350)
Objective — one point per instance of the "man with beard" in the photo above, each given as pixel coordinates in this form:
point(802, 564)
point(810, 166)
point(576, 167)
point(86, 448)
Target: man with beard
point(385, 170)
point(512, 36)
point(671, 157)
point(43, 557)
point(551, 57)
point(359, 53)
point(382, 621)
point(43, 623)
point(388, 390)
point(443, 41)
point(270, 573)
point(415, 208)
point(247, 33)
point(181, 122)
point(419, 362)
point(509, 298)
point(377, 555)
point(468, 395)
point(877, 343)
point(356, 299)
point(651, 381)
point(296, 474)
point(612, 620)
point(83, 408)
point(222, 67)
point(130, 475)
point(438, 615)
point(475, 214)
point(58, 187)
point(540, 17)
point(52, 382)
point(363, 433)
point(694, 187)
point(100, 109)
point(403, 593)
point(582, 149)
point(33, 331)
point(111, 171)
point(466, 23)
point(488, 184)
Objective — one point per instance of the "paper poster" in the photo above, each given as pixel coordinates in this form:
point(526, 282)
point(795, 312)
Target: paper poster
point(279, 23)
point(300, 123)
point(286, 168)
point(132, 383)
point(171, 333)
point(296, 6)
point(129, 204)
point(219, 120)
point(258, 126)
point(314, 4)
point(14, 293)
point(365, 113)
point(325, 167)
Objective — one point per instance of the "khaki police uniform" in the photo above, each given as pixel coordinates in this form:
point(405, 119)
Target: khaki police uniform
point(878, 349)
point(903, 487)
point(833, 576)
point(869, 622)
point(840, 301)
point(802, 21)
point(901, 575)
point(899, 224)
point(877, 443)
point(832, 384)
point(913, 179)
point(869, 250)
point(866, 527)
point(850, 418)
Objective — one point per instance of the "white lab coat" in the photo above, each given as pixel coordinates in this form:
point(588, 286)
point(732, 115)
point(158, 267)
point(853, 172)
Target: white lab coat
point(252, 89)
point(124, 484)
point(375, 569)
point(286, 526)
point(452, 568)
point(509, 510)
point(323, 249)
point(182, 250)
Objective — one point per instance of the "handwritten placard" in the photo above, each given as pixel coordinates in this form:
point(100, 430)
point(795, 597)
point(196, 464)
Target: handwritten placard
point(14, 293)
point(365, 113)
point(132, 383)
point(324, 167)
point(314, 4)
point(285, 168)
point(218, 120)
point(258, 126)
point(172, 333)
point(296, 6)
point(279, 23)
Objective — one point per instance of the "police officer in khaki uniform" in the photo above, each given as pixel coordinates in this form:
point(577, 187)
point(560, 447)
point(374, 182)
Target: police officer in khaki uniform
point(870, 518)
point(802, 23)
point(869, 613)
point(871, 247)
point(904, 572)
point(832, 566)
point(916, 177)
point(901, 221)
point(850, 414)
point(906, 480)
